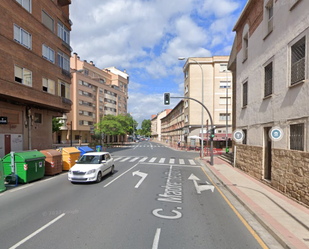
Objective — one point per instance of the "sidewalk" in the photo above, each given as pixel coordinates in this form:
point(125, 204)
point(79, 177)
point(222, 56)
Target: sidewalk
point(284, 218)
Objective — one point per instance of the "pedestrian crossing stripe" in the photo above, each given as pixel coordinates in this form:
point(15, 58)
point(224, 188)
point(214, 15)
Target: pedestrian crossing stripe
point(134, 159)
point(172, 160)
point(154, 159)
point(191, 162)
point(162, 160)
point(181, 161)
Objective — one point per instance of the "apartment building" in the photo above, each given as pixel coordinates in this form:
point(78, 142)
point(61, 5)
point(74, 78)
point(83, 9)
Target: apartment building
point(211, 75)
point(269, 60)
point(95, 93)
point(172, 125)
point(156, 125)
point(35, 72)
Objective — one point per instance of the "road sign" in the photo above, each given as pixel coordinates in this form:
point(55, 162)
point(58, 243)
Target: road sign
point(238, 136)
point(276, 134)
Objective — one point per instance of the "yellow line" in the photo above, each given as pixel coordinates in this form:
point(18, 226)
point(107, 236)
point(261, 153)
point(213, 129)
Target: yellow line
point(254, 234)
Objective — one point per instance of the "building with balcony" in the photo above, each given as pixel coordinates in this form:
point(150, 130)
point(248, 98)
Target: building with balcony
point(95, 93)
point(217, 96)
point(35, 71)
point(269, 61)
point(156, 129)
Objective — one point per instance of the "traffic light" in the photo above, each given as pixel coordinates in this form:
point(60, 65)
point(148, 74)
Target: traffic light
point(212, 134)
point(166, 98)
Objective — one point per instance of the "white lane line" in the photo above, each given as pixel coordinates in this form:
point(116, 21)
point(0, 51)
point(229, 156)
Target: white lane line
point(181, 161)
point(120, 175)
point(162, 160)
point(36, 232)
point(156, 239)
point(152, 159)
point(192, 162)
point(172, 161)
point(123, 160)
point(117, 159)
point(134, 159)
point(143, 159)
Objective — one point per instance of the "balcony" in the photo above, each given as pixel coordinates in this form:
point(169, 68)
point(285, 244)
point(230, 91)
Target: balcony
point(64, 2)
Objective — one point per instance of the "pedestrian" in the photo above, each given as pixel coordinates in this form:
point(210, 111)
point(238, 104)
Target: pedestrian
point(178, 144)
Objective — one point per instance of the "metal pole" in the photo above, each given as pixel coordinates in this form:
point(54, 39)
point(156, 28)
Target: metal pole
point(202, 137)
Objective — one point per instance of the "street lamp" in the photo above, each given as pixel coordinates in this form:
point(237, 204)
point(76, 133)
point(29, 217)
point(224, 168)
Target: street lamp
point(227, 110)
point(202, 139)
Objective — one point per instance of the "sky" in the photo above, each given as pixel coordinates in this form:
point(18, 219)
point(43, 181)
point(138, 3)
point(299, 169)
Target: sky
point(146, 37)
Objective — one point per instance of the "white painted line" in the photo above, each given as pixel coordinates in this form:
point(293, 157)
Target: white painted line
point(120, 175)
point(117, 159)
point(36, 232)
point(123, 160)
point(192, 162)
point(172, 161)
point(181, 161)
point(156, 239)
point(134, 159)
point(162, 160)
point(152, 159)
point(143, 159)
point(23, 187)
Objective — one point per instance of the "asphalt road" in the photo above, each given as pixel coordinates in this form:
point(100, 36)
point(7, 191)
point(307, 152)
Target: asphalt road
point(158, 198)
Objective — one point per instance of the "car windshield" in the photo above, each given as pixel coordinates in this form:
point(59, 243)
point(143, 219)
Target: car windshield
point(89, 159)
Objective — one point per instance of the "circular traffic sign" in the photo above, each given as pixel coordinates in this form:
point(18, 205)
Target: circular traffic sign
point(238, 136)
point(276, 134)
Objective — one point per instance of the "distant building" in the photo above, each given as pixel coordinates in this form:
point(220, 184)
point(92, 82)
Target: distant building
point(35, 71)
point(95, 93)
point(269, 61)
point(156, 132)
point(217, 97)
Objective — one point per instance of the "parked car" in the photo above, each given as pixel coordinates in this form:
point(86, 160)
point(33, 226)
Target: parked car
point(92, 167)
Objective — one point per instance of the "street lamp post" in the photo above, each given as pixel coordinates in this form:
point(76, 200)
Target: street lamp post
point(202, 138)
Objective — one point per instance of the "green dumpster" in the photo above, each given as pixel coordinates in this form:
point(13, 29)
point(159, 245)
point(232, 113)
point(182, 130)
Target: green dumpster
point(2, 186)
point(29, 165)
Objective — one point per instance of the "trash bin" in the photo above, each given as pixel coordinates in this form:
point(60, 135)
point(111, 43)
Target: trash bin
point(98, 148)
point(85, 149)
point(69, 156)
point(2, 186)
point(29, 165)
point(53, 162)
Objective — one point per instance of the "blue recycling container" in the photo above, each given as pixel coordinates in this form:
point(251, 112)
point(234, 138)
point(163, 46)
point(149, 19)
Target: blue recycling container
point(98, 148)
point(84, 149)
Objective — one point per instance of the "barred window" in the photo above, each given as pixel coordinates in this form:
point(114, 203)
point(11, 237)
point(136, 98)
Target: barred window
point(245, 94)
point(297, 137)
point(268, 88)
point(298, 52)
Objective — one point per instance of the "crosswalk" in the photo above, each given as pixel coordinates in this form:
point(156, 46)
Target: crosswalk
point(145, 146)
point(161, 160)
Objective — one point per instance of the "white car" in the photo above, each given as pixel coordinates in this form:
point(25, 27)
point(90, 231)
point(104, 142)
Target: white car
point(92, 167)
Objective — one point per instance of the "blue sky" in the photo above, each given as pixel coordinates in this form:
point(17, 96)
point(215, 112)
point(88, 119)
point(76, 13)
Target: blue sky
point(146, 37)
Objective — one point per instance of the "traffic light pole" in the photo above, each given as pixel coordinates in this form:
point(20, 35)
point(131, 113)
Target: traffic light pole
point(211, 123)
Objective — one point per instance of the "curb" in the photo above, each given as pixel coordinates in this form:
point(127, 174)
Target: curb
point(260, 220)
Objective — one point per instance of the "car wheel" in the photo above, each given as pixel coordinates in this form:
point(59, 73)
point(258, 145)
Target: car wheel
point(99, 177)
point(112, 170)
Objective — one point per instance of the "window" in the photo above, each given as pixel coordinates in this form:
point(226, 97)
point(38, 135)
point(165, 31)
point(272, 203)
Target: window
point(101, 90)
point(48, 21)
point(23, 76)
point(48, 53)
point(186, 89)
point(268, 84)
point(223, 100)
point(48, 86)
point(270, 13)
point(64, 61)
point(186, 119)
point(245, 47)
point(102, 81)
point(222, 116)
point(22, 37)
point(186, 73)
point(223, 67)
point(297, 137)
point(38, 118)
point(186, 104)
point(86, 72)
point(298, 52)
point(225, 84)
point(26, 4)
point(63, 33)
point(63, 89)
point(244, 141)
point(245, 94)
point(101, 99)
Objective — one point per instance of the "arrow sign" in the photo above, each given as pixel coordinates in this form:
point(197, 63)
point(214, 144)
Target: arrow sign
point(200, 188)
point(142, 175)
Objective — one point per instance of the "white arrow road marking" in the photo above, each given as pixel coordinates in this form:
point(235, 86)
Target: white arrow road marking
point(200, 188)
point(142, 175)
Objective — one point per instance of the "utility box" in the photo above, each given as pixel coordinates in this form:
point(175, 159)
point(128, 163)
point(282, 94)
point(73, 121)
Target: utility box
point(53, 162)
point(98, 148)
point(84, 149)
point(2, 186)
point(29, 165)
point(69, 156)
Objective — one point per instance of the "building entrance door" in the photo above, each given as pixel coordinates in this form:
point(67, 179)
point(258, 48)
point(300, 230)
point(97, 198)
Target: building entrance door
point(267, 154)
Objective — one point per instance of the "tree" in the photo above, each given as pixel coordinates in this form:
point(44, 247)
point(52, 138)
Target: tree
point(56, 124)
point(146, 127)
point(114, 125)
